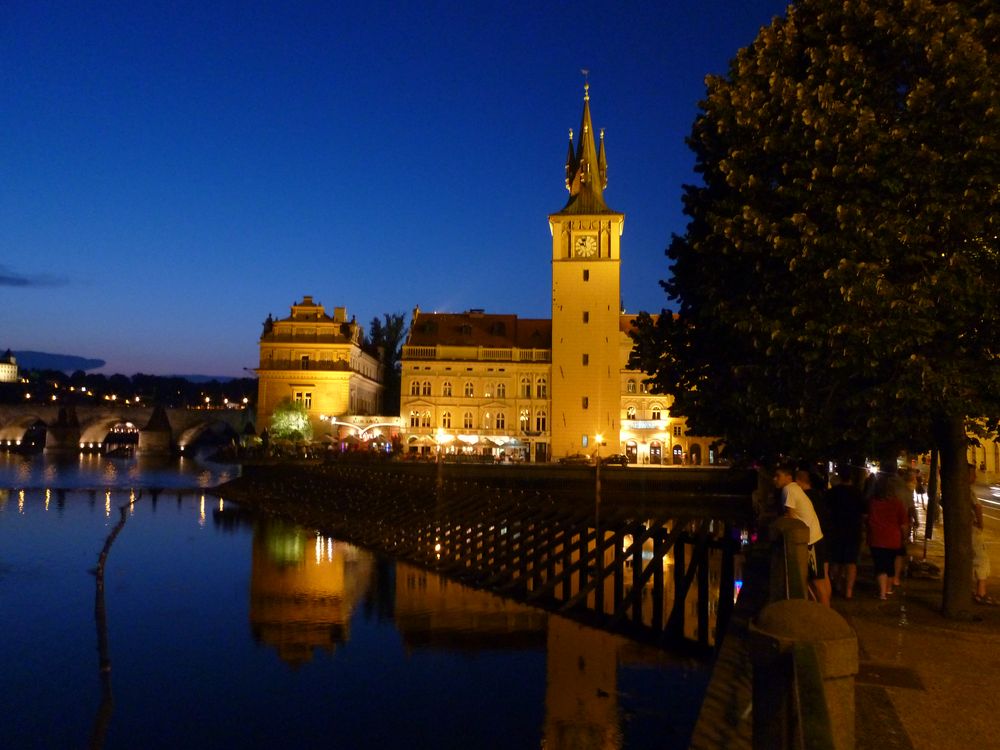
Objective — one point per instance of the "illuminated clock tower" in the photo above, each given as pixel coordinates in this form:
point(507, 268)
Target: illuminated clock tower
point(586, 302)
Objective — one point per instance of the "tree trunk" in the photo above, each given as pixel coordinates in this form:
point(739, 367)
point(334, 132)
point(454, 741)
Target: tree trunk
point(953, 443)
point(933, 495)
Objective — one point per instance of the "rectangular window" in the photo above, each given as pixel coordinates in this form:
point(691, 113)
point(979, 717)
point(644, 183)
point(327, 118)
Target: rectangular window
point(586, 317)
point(677, 430)
point(298, 397)
point(585, 440)
point(586, 274)
point(586, 402)
point(586, 360)
point(305, 361)
point(308, 400)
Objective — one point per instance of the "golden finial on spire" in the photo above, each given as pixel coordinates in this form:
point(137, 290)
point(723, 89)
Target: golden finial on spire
point(571, 135)
point(586, 84)
point(602, 134)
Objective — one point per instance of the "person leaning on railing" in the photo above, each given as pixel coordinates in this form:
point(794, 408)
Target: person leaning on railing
point(797, 505)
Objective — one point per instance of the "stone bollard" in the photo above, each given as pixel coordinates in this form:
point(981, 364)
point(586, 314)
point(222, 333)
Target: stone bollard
point(825, 694)
point(789, 552)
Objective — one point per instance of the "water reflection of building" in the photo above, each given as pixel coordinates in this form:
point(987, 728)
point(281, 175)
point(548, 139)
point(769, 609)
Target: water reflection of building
point(431, 611)
point(303, 589)
point(581, 697)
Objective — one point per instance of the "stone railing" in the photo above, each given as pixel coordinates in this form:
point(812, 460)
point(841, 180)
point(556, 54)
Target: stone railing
point(477, 353)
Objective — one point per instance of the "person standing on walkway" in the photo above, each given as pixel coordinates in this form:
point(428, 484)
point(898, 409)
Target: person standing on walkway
point(980, 559)
point(888, 527)
point(796, 504)
point(847, 511)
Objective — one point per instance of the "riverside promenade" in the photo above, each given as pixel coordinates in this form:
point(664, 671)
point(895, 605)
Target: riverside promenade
point(924, 683)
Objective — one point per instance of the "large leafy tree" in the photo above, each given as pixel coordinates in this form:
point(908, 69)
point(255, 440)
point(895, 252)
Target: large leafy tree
point(290, 421)
point(837, 283)
point(388, 333)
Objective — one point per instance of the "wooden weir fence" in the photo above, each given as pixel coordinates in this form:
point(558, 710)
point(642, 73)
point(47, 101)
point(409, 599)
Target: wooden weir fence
point(652, 554)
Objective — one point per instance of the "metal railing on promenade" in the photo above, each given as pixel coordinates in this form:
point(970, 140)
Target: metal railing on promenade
point(659, 570)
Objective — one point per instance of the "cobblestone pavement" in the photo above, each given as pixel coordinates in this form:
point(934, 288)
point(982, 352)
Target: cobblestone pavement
point(924, 681)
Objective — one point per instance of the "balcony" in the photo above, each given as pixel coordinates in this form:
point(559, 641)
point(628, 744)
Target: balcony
point(310, 365)
point(476, 354)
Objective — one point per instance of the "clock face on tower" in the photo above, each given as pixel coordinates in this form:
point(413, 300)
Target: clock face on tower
point(585, 246)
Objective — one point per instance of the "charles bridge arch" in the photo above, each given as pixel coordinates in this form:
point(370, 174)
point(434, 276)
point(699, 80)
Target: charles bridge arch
point(72, 429)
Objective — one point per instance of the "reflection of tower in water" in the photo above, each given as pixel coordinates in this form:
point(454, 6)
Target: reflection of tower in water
point(431, 611)
point(581, 697)
point(303, 589)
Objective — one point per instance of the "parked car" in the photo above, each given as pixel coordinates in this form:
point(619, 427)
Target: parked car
point(615, 459)
point(577, 459)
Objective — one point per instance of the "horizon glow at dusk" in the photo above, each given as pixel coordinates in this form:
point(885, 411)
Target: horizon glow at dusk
point(174, 172)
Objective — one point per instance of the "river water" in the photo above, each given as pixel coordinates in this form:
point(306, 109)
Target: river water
point(226, 630)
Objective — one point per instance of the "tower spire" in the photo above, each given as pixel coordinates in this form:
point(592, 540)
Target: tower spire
point(586, 170)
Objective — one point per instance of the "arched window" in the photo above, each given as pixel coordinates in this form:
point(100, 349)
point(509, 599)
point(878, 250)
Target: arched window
point(501, 420)
point(541, 388)
point(524, 420)
point(540, 420)
point(630, 412)
point(425, 420)
point(446, 420)
point(486, 420)
point(525, 387)
point(446, 389)
point(415, 388)
point(467, 420)
point(414, 419)
point(501, 390)
point(630, 386)
point(656, 411)
point(469, 390)
point(427, 388)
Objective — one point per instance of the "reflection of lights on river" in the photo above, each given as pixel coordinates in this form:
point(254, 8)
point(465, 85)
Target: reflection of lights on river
point(20, 501)
point(48, 496)
point(107, 504)
point(221, 504)
point(322, 545)
point(201, 517)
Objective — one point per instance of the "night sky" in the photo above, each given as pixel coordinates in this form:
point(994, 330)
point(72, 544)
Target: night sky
point(172, 172)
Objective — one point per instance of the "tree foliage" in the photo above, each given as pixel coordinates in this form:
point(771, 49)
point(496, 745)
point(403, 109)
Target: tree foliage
point(388, 334)
point(837, 283)
point(290, 421)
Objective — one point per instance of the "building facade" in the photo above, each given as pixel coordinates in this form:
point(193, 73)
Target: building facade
point(8, 368)
point(498, 386)
point(319, 361)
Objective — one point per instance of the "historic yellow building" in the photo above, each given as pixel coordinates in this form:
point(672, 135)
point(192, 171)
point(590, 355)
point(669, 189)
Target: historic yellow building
point(528, 389)
point(319, 361)
point(8, 368)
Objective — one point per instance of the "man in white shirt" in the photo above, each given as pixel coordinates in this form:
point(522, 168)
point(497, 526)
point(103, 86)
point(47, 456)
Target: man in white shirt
point(797, 504)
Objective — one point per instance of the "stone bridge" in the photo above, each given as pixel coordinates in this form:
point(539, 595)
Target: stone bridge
point(85, 428)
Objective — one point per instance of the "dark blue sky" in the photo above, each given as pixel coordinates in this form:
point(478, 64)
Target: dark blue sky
point(174, 171)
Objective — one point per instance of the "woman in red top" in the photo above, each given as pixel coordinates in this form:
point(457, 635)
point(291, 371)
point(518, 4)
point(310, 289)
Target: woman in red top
point(888, 526)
